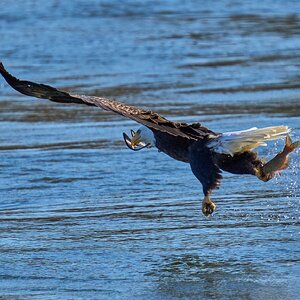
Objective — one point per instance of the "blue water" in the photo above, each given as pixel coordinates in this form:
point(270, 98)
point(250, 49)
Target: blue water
point(82, 217)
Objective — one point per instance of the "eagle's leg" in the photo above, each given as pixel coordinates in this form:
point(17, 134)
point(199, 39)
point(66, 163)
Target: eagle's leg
point(260, 174)
point(203, 166)
point(208, 206)
point(278, 163)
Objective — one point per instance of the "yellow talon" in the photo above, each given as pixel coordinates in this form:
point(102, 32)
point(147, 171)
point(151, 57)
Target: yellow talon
point(208, 207)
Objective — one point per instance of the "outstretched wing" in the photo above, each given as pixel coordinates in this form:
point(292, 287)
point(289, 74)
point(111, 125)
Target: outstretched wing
point(146, 117)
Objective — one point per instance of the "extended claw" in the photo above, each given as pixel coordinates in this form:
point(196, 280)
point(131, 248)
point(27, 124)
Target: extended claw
point(132, 132)
point(208, 207)
point(129, 144)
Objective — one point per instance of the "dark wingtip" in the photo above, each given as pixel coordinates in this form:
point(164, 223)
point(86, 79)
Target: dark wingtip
point(11, 80)
point(2, 69)
point(37, 90)
point(4, 72)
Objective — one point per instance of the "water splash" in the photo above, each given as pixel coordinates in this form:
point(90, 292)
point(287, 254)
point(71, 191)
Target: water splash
point(292, 180)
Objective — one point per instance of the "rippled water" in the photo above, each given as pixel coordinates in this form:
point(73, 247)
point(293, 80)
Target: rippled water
point(84, 217)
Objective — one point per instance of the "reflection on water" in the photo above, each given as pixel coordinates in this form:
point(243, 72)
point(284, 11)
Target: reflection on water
point(84, 217)
point(194, 277)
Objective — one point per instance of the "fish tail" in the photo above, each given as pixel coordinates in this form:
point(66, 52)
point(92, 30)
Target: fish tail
point(290, 146)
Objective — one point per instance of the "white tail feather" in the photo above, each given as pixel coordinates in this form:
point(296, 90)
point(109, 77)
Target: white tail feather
point(247, 140)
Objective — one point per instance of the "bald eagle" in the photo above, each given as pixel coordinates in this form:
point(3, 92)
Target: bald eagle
point(207, 152)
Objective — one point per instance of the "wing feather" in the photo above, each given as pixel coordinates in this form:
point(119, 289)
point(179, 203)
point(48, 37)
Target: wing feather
point(146, 117)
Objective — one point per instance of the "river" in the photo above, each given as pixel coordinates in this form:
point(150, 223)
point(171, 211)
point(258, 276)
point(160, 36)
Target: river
point(82, 216)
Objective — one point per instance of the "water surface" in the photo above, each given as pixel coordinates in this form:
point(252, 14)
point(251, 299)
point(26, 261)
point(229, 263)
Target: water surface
point(84, 217)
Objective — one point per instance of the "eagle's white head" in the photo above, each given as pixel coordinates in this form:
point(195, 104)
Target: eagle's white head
point(143, 136)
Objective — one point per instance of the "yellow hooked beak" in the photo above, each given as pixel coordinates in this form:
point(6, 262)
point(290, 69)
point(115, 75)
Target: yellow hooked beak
point(136, 139)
